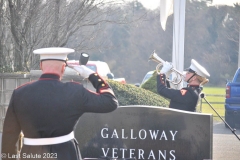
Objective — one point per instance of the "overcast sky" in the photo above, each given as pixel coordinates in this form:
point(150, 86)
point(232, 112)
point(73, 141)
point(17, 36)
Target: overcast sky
point(153, 4)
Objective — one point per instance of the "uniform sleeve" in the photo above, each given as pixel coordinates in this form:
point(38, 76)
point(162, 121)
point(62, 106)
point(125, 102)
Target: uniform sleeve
point(100, 84)
point(172, 94)
point(11, 131)
point(101, 102)
point(163, 81)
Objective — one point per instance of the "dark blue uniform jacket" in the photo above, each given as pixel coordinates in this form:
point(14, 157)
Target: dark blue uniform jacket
point(183, 99)
point(50, 108)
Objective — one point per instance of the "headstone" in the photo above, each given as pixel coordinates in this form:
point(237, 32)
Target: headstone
point(146, 132)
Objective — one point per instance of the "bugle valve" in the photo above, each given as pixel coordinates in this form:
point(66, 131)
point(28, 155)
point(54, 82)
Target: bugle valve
point(160, 61)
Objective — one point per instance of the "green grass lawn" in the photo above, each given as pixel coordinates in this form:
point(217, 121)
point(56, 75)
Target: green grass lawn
point(216, 97)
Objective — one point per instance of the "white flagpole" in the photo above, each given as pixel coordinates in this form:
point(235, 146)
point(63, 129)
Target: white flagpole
point(178, 31)
point(178, 36)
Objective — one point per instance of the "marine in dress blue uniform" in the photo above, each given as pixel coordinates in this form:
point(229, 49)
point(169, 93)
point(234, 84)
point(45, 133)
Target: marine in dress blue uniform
point(47, 111)
point(187, 97)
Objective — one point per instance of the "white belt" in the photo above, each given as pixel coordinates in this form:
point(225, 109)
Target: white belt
point(48, 141)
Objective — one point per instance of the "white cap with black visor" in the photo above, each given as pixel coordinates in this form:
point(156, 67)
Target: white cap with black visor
point(197, 69)
point(54, 53)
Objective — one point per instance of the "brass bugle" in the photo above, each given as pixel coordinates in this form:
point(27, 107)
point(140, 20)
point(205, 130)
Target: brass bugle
point(160, 61)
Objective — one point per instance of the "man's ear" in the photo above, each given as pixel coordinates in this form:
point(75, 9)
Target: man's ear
point(63, 68)
point(41, 65)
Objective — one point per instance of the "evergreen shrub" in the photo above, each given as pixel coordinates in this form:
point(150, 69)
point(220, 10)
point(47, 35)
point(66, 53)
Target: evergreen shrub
point(151, 83)
point(129, 94)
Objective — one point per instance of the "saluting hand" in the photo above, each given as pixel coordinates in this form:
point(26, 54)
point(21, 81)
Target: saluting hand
point(82, 70)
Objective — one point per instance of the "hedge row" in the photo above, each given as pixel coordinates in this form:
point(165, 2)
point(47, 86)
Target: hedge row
point(151, 83)
point(129, 94)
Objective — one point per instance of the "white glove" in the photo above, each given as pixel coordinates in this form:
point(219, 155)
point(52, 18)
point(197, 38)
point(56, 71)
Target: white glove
point(82, 70)
point(166, 68)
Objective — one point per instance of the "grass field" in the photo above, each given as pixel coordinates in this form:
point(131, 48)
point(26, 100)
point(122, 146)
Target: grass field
point(216, 97)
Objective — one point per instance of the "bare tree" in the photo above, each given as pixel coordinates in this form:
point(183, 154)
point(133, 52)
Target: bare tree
point(1, 34)
point(5, 39)
point(36, 24)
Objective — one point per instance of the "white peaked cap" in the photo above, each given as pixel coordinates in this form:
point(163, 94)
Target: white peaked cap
point(200, 70)
point(53, 53)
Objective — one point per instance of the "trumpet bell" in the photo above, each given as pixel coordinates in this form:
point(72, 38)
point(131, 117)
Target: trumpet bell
point(179, 75)
point(156, 58)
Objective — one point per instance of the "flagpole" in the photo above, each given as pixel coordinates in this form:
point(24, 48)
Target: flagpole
point(178, 31)
point(178, 36)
